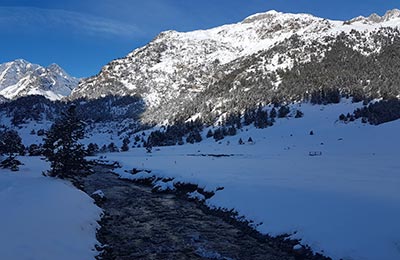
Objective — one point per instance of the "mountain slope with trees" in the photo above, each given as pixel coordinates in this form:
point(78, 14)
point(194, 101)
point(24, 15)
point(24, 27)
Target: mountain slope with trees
point(268, 57)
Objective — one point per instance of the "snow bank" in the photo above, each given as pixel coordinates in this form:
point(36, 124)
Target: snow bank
point(44, 218)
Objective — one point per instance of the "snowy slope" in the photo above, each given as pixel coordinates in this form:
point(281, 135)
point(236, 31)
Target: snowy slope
point(345, 203)
point(176, 66)
point(44, 218)
point(21, 78)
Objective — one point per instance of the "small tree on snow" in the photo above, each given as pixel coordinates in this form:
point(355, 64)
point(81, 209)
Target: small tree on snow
point(299, 114)
point(11, 145)
point(209, 133)
point(92, 149)
point(112, 148)
point(283, 111)
point(125, 144)
point(62, 147)
point(273, 113)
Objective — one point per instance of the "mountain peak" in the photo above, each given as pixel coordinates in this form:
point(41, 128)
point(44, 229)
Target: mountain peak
point(272, 14)
point(21, 78)
point(391, 14)
point(57, 69)
point(20, 64)
point(54, 66)
point(20, 61)
point(375, 18)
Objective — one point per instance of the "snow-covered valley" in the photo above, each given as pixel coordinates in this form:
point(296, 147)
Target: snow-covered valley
point(288, 122)
point(336, 190)
point(344, 203)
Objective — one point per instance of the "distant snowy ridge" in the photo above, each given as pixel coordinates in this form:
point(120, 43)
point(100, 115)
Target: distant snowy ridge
point(176, 66)
point(376, 19)
point(20, 78)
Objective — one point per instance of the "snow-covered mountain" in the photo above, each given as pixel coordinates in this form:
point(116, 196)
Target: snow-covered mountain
point(20, 78)
point(174, 70)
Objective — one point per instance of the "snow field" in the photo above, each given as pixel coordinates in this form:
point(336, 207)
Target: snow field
point(43, 218)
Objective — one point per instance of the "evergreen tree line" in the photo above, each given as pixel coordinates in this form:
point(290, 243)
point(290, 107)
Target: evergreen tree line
point(174, 134)
point(376, 113)
point(106, 109)
point(345, 72)
point(260, 118)
point(227, 126)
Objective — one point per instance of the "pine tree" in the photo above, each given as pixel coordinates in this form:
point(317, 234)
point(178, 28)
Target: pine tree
point(209, 133)
point(218, 134)
point(125, 144)
point(103, 149)
point(11, 145)
point(92, 149)
point(137, 138)
point(35, 150)
point(194, 137)
point(299, 114)
point(62, 147)
point(283, 111)
point(232, 130)
point(261, 118)
point(272, 114)
point(112, 148)
point(249, 117)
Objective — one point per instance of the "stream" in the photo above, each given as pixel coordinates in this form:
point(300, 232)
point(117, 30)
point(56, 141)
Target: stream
point(141, 224)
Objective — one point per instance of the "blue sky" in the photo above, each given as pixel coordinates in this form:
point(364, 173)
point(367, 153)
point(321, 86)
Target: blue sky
point(84, 35)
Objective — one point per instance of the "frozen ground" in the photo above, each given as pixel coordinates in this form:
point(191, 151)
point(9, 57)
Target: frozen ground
point(44, 218)
point(345, 203)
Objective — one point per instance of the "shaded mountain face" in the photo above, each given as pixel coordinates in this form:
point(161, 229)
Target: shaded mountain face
point(20, 78)
point(268, 57)
point(3, 99)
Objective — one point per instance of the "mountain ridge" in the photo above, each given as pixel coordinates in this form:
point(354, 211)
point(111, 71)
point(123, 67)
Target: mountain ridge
point(176, 67)
point(20, 78)
point(206, 73)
